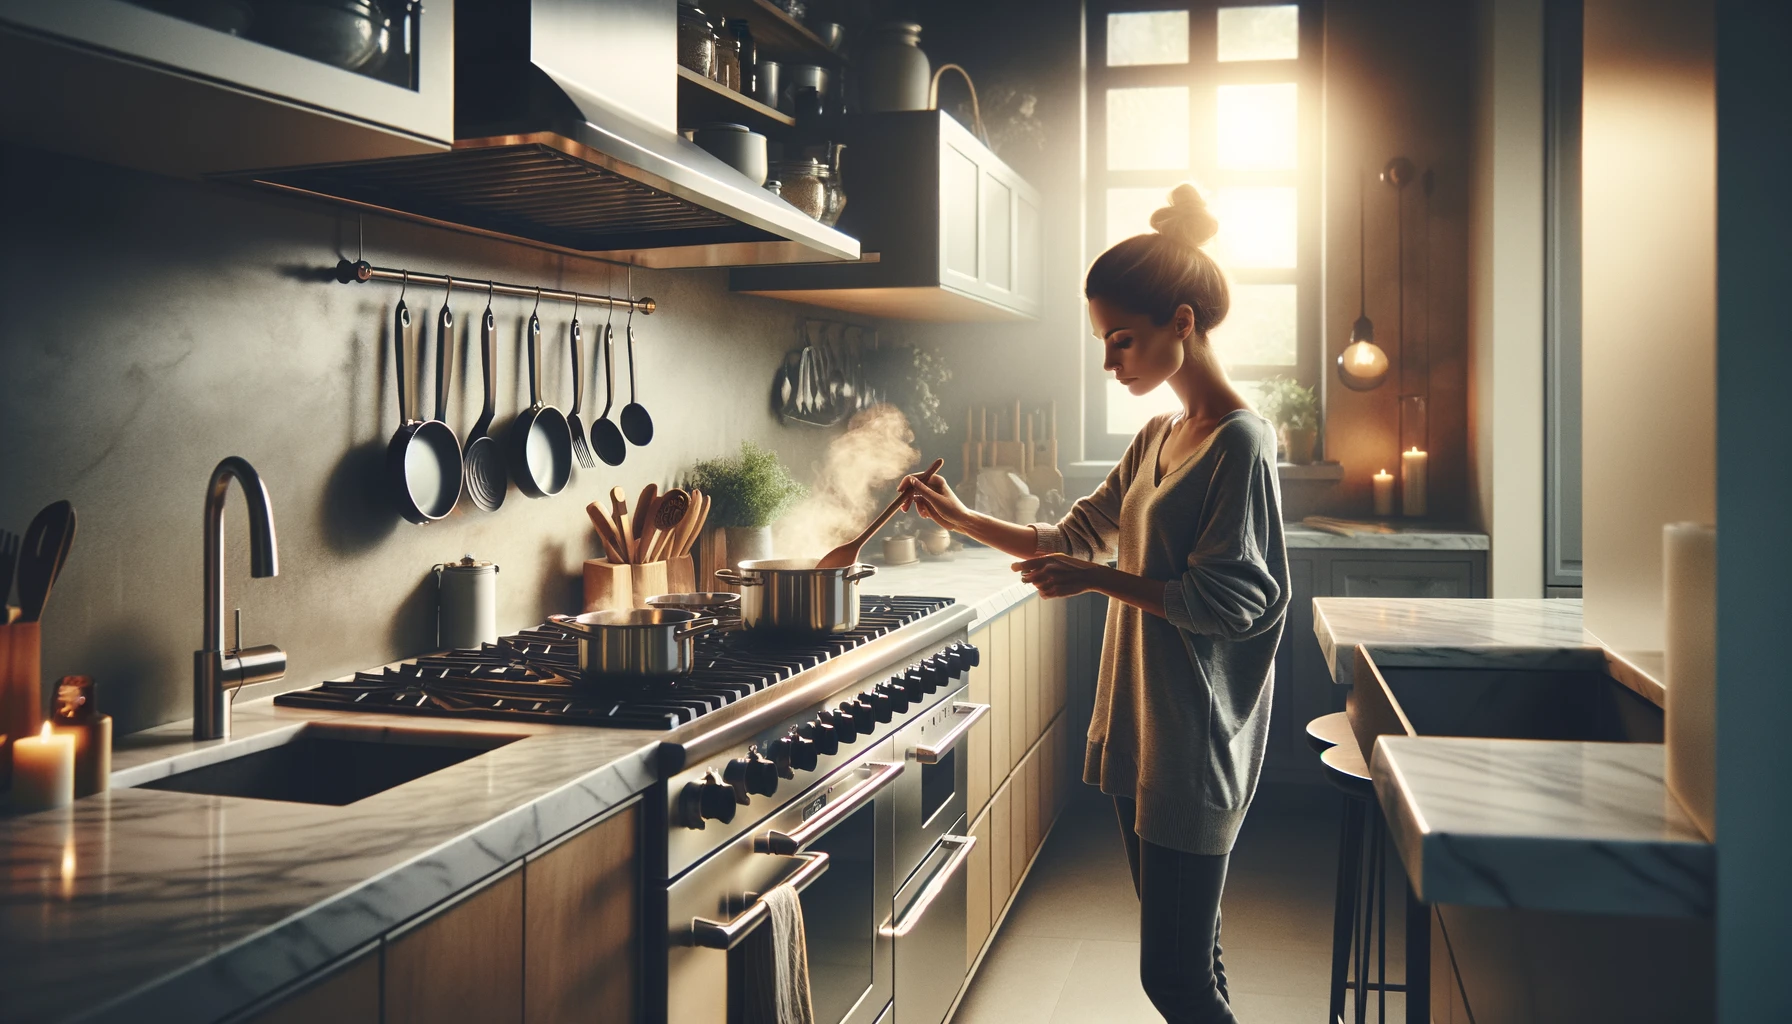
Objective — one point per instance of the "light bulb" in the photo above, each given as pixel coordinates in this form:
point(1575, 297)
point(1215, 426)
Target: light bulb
point(1362, 366)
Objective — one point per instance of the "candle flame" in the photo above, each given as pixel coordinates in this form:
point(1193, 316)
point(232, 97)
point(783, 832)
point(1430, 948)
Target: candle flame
point(46, 733)
point(1414, 450)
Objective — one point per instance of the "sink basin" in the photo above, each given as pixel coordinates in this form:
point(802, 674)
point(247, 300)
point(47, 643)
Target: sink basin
point(331, 765)
point(1526, 704)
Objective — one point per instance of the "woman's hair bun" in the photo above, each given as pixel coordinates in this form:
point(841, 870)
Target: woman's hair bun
point(1186, 219)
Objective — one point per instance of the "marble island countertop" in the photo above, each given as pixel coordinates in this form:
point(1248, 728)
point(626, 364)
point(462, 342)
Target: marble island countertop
point(1535, 824)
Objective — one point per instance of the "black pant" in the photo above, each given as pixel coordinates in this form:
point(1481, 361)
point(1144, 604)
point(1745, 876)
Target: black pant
point(1179, 927)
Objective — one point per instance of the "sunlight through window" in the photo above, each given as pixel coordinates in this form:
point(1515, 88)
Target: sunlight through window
point(1259, 33)
point(1257, 226)
point(1148, 128)
point(1147, 37)
point(1257, 126)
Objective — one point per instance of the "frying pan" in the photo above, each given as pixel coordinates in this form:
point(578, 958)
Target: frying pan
point(423, 458)
point(540, 443)
point(606, 437)
point(483, 460)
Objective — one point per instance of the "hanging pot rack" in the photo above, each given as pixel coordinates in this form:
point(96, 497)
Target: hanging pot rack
point(351, 271)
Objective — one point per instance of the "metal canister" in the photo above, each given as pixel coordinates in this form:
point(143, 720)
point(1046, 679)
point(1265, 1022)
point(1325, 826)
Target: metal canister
point(466, 604)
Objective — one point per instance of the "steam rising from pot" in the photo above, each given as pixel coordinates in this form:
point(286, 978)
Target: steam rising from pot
point(855, 480)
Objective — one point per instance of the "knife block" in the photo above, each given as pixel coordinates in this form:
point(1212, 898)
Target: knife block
point(21, 688)
point(613, 586)
point(681, 576)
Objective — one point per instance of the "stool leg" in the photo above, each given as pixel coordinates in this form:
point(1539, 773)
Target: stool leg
point(1381, 916)
point(1350, 848)
point(1365, 940)
point(1418, 959)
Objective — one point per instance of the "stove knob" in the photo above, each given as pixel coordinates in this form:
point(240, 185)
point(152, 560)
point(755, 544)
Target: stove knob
point(803, 755)
point(752, 774)
point(882, 703)
point(938, 671)
point(919, 681)
point(824, 732)
point(781, 750)
point(965, 655)
point(898, 694)
point(910, 684)
point(860, 714)
point(710, 799)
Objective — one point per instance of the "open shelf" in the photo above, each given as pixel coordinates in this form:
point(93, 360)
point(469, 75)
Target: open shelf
point(702, 101)
point(778, 36)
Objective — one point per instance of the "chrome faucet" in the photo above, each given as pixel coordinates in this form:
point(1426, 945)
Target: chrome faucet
point(215, 669)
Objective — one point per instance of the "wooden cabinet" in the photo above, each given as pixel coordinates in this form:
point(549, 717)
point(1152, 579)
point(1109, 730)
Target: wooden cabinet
point(1382, 576)
point(1001, 865)
point(464, 962)
point(582, 924)
point(977, 914)
point(997, 655)
point(346, 994)
point(1020, 683)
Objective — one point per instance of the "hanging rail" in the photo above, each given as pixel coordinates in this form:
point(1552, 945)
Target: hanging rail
point(349, 272)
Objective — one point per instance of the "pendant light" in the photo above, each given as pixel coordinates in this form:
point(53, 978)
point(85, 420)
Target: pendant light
point(1362, 366)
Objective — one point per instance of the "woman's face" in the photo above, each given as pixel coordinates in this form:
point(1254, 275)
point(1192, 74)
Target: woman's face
point(1140, 354)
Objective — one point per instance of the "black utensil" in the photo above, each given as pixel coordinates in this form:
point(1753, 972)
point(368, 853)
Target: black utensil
point(482, 460)
point(576, 426)
point(423, 459)
point(540, 443)
point(606, 436)
point(637, 426)
point(45, 549)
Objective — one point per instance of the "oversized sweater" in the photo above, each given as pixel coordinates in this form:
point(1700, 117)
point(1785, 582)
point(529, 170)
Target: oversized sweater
point(1182, 705)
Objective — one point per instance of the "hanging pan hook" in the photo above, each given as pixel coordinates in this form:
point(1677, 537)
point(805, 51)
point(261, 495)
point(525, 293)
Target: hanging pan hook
point(404, 283)
point(490, 286)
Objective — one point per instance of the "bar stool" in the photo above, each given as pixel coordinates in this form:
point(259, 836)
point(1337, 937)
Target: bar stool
point(1359, 913)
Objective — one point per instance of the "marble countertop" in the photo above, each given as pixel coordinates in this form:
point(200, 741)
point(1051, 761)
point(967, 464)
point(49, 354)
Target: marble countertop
point(1410, 538)
point(140, 904)
point(976, 576)
point(1551, 825)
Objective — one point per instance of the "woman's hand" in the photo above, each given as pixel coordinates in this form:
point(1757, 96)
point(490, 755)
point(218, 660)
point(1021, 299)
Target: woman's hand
point(1062, 575)
point(933, 498)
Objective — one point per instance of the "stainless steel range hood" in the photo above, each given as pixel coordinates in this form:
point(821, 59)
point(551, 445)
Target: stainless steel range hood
point(566, 137)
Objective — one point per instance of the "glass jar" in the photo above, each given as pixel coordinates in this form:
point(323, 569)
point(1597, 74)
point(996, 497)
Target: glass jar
point(727, 64)
point(805, 186)
point(836, 183)
point(696, 39)
point(749, 55)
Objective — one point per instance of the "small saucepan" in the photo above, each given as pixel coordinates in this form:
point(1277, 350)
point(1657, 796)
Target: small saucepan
point(723, 604)
point(540, 440)
point(790, 595)
point(636, 645)
point(423, 458)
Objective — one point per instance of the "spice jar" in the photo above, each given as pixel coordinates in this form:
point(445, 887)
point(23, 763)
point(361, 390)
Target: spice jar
point(836, 194)
point(749, 56)
point(727, 63)
point(805, 186)
point(696, 39)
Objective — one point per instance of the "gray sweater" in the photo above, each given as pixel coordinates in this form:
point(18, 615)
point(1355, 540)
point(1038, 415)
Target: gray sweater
point(1182, 705)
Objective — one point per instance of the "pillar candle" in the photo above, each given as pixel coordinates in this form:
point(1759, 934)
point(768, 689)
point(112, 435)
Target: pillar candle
point(1384, 493)
point(43, 771)
point(1689, 586)
point(1412, 481)
point(77, 715)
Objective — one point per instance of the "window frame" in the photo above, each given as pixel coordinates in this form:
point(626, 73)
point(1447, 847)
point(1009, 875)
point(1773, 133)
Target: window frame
point(1203, 77)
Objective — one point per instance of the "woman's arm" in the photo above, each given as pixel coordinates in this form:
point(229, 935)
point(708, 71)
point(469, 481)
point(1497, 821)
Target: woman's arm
point(1059, 575)
point(934, 499)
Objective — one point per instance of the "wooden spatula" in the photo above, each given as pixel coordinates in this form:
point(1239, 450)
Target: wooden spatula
point(847, 554)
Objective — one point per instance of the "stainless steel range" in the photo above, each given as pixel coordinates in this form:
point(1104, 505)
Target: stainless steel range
point(828, 762)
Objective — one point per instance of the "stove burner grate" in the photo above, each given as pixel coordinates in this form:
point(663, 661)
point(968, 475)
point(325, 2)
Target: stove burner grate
point(526, 677)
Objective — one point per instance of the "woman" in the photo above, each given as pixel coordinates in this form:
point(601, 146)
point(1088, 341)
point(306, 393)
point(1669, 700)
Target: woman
point(1192, 514)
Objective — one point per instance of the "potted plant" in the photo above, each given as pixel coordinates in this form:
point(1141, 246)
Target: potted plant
point(1295, 412)
point(749, 490)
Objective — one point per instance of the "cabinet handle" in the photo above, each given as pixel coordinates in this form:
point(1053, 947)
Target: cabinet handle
point(935, 885)
point(930, 753)
point(727, 934)
point(787, 844)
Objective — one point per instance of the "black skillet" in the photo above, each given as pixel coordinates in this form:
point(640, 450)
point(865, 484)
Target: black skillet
point(423, 458)
point(606, 436)
point(637, 426)
point(539, 440)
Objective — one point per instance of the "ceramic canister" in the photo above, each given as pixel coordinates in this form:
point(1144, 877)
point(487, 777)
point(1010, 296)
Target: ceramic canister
point(467, 604)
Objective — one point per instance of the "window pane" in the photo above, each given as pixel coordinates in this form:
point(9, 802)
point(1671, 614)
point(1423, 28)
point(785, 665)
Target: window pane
point(1257, 226)
point(1148, 37)
point(1148, 128)
point(1259, 33)
point(1130, 209)
point(1257, 126)
point(1126, 414)
point(1260, 328)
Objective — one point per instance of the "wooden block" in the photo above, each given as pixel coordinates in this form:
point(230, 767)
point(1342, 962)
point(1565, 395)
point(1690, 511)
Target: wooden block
point(681, 576)
point(977, 919)
point(613, 587)
point(21, 688)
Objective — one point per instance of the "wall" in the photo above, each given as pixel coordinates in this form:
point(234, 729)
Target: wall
point(1505, 301)
point(154, 326)
point(1648, 301)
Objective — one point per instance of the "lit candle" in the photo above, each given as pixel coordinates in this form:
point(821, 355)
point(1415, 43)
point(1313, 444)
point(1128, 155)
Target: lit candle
point(1384, 493)
point(43, 771)
point(77, 716)
point(1412, 481)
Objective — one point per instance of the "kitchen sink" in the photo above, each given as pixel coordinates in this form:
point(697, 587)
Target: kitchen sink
point(1523, 704)
point(330, 765)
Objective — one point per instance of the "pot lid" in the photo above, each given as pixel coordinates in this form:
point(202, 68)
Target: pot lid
point(724, 126)
point(468, 563)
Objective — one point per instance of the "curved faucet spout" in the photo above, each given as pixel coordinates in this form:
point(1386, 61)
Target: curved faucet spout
point(215, 666)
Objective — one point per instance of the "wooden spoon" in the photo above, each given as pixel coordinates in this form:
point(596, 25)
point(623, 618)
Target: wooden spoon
point(606, 532)
point(668, 516)
point(644, 519)
point(693, 524)
point(619, 513)
point(847, 554)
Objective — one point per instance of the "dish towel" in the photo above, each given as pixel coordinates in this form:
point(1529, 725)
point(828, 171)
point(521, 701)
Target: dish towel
point(777, 964)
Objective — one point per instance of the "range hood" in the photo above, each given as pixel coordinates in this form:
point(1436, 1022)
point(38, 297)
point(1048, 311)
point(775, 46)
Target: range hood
point(566, 136)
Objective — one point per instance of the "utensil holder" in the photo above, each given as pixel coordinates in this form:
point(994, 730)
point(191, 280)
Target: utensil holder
point(613, 586)
point(21, 688)
point(681, 576)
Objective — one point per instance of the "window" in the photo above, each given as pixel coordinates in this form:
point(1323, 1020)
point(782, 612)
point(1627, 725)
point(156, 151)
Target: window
point(1226, 96)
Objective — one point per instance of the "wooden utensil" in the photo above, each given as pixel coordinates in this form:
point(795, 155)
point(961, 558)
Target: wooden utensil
point(694, 524)
point(643, 514)
point(606, 532)
point(45, 549)
point(847, 554)
point(619, 515)
point(668, 517)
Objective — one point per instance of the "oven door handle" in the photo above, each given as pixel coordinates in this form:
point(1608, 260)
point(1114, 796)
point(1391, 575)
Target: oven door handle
point(935, 885)
point(728, 934)
point(930, 753)
point(789, 844)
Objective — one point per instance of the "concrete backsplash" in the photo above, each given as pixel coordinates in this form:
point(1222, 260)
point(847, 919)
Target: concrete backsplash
point(154, 326)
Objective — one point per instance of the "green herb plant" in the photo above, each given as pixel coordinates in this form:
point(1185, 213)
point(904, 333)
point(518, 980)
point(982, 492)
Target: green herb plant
point(1287, 404)
point(751, 489)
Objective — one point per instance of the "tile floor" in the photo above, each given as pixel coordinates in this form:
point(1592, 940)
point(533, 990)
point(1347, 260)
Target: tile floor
point(1068, 951)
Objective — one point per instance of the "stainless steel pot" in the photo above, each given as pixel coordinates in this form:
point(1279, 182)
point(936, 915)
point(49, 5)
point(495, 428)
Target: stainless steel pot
point(723, 604)
point(640, 644)
point(790, 595)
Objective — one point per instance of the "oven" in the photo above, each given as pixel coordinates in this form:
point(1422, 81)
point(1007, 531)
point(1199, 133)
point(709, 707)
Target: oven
point(834, 845)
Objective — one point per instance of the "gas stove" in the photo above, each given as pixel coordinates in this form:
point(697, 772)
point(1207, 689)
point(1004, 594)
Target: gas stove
point(530, 676)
